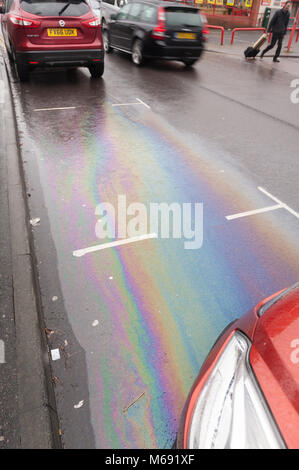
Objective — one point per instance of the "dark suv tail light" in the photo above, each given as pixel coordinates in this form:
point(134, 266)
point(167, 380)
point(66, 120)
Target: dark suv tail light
point(20, 22)
point(160, 30)
point(93, 23)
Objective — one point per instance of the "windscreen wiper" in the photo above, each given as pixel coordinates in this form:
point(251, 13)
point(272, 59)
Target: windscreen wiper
point(64, 8)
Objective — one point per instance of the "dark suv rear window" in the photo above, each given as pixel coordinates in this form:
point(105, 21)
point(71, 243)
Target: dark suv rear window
point(187, 17)
point(55, 8)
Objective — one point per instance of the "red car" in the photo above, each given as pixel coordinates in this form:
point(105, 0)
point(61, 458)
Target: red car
point(246, 395)
point(41, 33)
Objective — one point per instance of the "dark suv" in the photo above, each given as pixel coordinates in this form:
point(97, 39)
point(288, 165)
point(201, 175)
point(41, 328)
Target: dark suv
point(52, 32)
point(157, 29)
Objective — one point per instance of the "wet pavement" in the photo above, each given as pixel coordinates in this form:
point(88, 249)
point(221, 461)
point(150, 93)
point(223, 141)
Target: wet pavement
point(133, 324)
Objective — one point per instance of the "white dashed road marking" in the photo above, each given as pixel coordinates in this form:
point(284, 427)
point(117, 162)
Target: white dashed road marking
point(54, 109)
point(2, 352)
point(132, 104)
point(285, 206)
point(253, 212)
point(103, 246)
point(279, 205)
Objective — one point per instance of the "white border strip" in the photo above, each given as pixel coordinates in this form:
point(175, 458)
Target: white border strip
point(103, 246)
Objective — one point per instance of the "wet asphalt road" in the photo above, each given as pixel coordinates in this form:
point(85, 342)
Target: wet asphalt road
point(133, 324)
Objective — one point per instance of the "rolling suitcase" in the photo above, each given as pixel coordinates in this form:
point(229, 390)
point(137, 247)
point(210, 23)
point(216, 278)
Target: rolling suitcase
point(253, 50)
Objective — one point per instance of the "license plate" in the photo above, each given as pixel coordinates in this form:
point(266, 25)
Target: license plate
point(185, 36)
point(62, 32)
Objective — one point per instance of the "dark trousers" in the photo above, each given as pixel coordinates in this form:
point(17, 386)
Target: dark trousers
point(276, 38)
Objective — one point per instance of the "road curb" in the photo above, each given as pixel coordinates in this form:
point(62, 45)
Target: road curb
point(38, 419)
point(241, 53)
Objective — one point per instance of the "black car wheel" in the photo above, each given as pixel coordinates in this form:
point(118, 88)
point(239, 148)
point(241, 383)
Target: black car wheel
point(22, 69)
point(137, 53)
point(107, 48)
point(96, 70)
point(10, 52)
point(189, 62)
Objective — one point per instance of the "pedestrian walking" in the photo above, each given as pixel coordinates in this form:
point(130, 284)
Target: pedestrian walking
point(278, 27)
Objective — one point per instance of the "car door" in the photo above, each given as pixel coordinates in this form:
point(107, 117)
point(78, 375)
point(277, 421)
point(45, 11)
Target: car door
point(133, 24)
point(118, 27)
point(147, 22)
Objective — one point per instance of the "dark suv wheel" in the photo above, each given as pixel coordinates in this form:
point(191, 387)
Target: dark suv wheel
point(189, 62)
point(23, 72)
point(96, 70)
point(22, 69)
point(137, 52)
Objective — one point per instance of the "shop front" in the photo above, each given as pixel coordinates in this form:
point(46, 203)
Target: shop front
point(276, 5)
point(230, 13)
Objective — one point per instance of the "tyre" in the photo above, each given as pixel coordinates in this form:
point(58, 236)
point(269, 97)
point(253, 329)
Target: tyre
point(10, 52)
point(137, 52)
point(23, 71)
point(107, 48)
point(96, 70)
point(189, 62)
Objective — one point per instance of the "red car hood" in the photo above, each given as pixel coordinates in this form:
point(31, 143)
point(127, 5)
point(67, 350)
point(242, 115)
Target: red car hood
point(275, 360)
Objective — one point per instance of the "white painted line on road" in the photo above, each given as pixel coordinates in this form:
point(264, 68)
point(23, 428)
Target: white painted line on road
point(132, 104)
point(54, 109)
point(124, 104)
point(279, 205)
point(1, 92)
point(253, 212)
point(2, 352)
point(103, 246)
point(285, 206)
point(144, 104)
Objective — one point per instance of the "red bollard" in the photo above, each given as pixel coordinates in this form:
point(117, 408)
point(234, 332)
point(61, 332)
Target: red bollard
point(293, 31)
point(221, 29)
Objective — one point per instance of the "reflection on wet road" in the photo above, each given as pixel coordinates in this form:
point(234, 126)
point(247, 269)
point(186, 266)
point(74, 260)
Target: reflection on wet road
point(134, 323)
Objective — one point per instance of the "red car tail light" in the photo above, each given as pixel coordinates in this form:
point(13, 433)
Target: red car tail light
point(160, 29)
point(205, 31)
point(20, 22)
point(93, 23)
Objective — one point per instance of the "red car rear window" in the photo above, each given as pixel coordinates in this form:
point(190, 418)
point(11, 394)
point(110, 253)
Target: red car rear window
point(55, 8)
